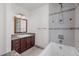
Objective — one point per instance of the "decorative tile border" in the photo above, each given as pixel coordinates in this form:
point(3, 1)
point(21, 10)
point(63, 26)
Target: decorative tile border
point(58, 28)
point(72, 28)
point(62, 11)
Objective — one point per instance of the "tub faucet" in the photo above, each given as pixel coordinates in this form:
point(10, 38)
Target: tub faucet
point(60, 41)
point(61, 38)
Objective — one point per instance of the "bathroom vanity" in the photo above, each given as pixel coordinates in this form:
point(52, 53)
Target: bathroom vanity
point(21, 43)
point(21, 40)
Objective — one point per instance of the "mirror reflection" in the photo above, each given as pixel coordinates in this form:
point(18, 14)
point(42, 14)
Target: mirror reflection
point(20, 25)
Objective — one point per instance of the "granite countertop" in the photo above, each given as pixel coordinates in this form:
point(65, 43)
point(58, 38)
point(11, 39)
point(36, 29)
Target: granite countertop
point(21, 35)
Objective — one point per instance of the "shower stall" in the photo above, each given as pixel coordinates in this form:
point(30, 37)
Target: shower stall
point(62, 23)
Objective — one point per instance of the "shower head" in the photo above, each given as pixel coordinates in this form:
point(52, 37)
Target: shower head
point(61, 5)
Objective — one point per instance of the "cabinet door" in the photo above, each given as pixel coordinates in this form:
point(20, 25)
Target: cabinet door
point(23, 44)
point(28, 42)
point(32, 40)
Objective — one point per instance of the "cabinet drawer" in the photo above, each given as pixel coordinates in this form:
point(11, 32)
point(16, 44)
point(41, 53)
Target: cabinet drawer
point(17, 41)
point(17, 45)
point(17, 48)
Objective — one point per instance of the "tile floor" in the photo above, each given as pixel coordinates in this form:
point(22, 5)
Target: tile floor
point(34, 51)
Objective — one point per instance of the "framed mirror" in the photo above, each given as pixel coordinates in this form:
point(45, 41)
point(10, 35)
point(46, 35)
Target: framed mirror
point(20, 25)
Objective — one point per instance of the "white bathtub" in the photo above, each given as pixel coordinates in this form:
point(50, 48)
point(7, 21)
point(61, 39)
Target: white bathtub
point(54, 49)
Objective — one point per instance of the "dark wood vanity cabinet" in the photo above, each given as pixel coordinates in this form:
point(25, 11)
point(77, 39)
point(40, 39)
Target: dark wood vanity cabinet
point(22, 44)
point(16, 45)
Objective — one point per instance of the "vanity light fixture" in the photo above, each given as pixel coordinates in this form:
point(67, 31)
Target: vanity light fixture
point(23, 17)
point(20, 16)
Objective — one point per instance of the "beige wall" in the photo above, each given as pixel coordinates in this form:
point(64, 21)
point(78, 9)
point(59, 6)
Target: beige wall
point(39, 18)
point(2, 29)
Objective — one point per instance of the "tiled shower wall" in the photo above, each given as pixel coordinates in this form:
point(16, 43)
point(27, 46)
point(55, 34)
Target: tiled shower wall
point(77, 25)
point(64, 28)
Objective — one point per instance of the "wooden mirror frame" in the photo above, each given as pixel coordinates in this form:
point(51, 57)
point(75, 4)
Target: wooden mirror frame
point(15, 25)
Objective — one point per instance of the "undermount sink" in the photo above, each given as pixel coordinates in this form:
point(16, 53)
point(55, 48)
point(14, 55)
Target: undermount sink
point(21, 36)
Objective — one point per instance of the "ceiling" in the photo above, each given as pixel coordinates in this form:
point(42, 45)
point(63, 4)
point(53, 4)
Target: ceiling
point(30, 6)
